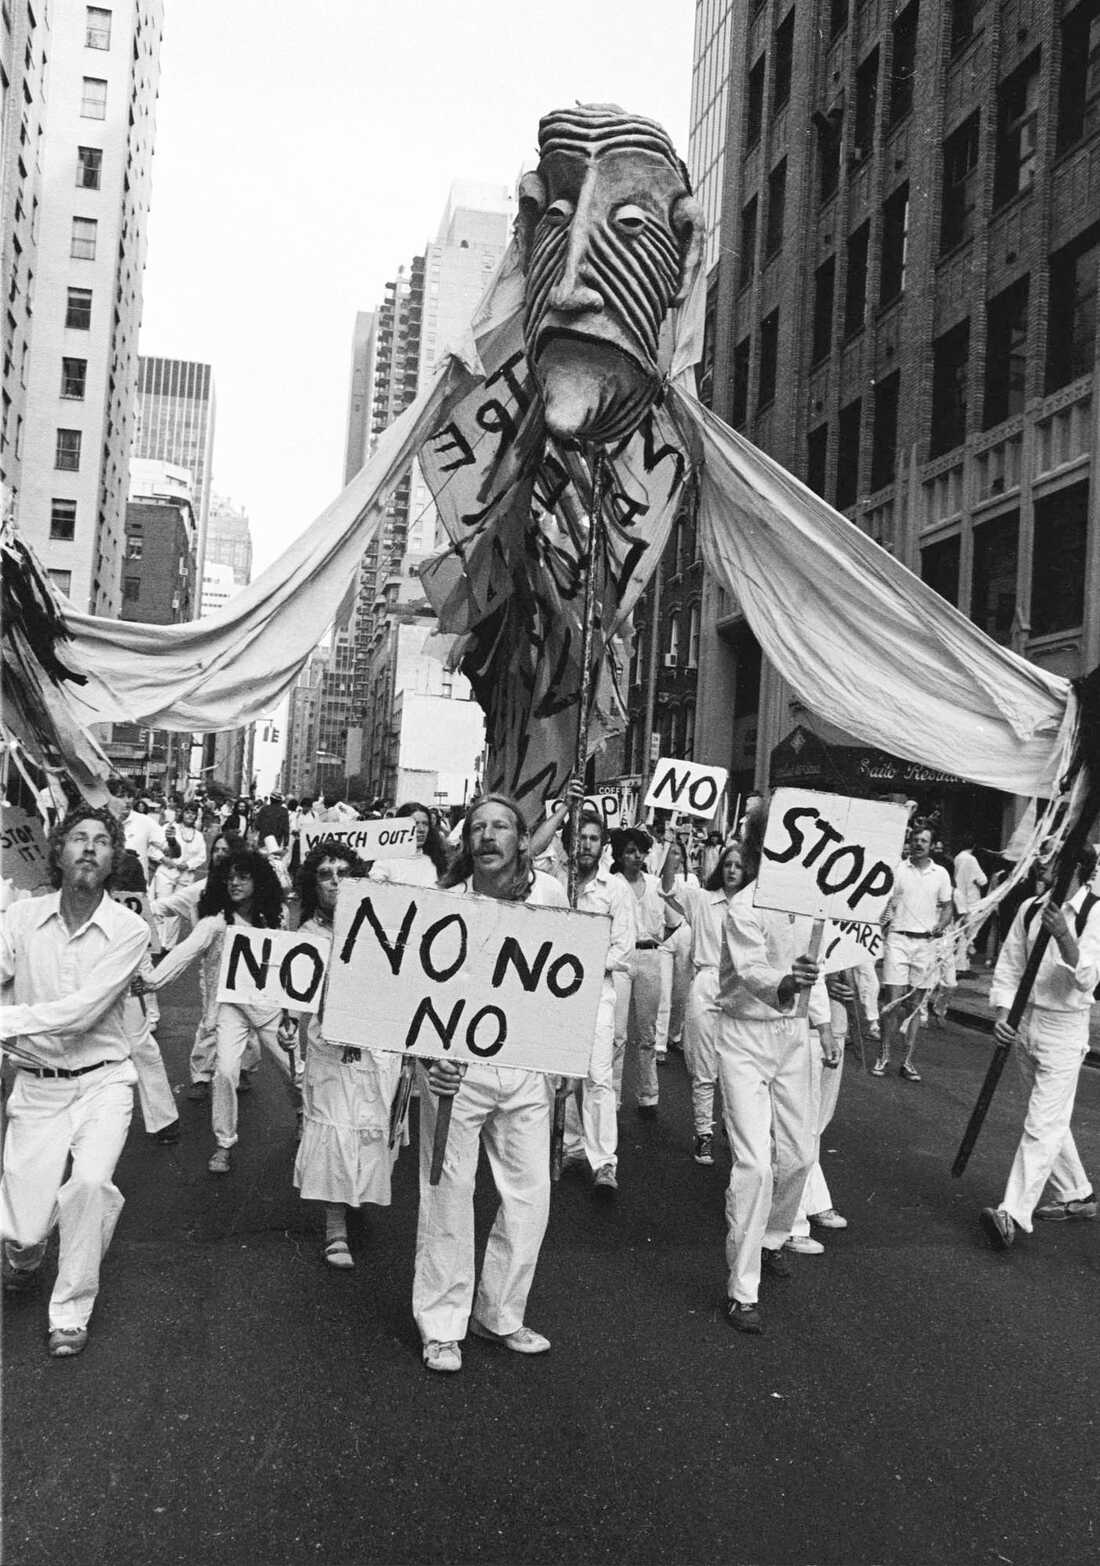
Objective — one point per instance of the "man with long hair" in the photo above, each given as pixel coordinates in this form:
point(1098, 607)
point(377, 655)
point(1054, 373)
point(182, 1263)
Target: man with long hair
point(506, 1110)
point(70, 958)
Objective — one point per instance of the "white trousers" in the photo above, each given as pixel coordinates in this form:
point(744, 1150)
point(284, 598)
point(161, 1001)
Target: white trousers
point(678, 947)
point(508, 1111)
point(49, 1121)
point(593, 1129)
point(637, 1003)
point(767, 1099)
point(701, 1049)
point(237, 1027)
point(158, 1106)
point(825, 1088)
point(1052, 1046)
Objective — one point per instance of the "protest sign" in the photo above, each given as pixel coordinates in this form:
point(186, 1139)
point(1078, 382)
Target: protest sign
point(22, 849)
point(685, 786)
point(138, 903)
point(434, 973)
point(849, 943)
point(393, 838)
point(829, 856)
point(273, 968)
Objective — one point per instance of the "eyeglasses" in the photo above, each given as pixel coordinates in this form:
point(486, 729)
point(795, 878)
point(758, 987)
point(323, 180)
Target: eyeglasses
point(332, 875)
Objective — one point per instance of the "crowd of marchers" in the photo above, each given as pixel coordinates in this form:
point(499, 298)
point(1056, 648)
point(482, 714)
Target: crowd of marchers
point(692, 966)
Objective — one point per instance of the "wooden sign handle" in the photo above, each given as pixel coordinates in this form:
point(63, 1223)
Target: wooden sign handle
point(442, 1132)
point(817, 935)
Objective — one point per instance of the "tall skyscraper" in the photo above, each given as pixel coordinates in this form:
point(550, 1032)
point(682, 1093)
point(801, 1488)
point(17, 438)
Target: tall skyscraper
point(361, 423)
point(79, 129)
point(176, 415)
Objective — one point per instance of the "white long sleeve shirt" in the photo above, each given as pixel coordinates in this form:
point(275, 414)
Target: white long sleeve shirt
point(69, 990)
point(758, 951)
point(606, 894)
point(705, 912)
point(1058, 986)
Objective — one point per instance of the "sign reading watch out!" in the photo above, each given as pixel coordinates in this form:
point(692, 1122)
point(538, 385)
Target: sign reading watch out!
point(442, 974)
point(686, 787)
point(393, 838)
point(830, 856)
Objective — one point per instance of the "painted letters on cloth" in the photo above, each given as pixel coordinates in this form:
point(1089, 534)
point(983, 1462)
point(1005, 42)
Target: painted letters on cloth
point(22, 849)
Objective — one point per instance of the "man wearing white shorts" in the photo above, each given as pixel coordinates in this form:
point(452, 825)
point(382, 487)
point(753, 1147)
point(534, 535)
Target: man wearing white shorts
point(918, 913)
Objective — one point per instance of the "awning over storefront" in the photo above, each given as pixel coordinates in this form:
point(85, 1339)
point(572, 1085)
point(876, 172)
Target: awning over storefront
point(804, 760)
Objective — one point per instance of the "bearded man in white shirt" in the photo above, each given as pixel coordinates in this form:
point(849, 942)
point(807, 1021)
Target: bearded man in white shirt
point(1051, 1042)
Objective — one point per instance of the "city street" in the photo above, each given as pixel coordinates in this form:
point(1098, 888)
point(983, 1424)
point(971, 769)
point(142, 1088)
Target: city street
point(916, 1398)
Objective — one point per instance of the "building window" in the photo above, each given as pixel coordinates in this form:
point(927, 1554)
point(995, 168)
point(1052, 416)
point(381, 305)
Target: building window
point(82, 245)
point(769, 354)
point(1058, 571)
point(78, 309)
point(693, 637)
point(74, 374)
point(754, 117)
point(895, 245)
point(62, 580)
point(1006, 355)
point(866, 104)
point(939, 567)
point(741, 359)
point(93, 99)
point(1071, 327)
point(817, 456)
point(67, 451)
point(673, 649)
point(847, 454)
point(97, 31)
point(960, 182)
point(131, 588)
point(903, 63)
point(963, 13)
point(950, 360)
point(784, 56)
point(777, 204)
point(1017, 128)
point(89, 166)
point(1079, 88)
point(830, 138)
point(855, 286)
point(993, 576)
point(884, 432)
point(135, 547)
point(747, 267)
point(62, 519)
point(824, 282)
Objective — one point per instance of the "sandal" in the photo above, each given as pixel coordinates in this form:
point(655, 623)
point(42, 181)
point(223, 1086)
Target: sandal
point(338, 1255)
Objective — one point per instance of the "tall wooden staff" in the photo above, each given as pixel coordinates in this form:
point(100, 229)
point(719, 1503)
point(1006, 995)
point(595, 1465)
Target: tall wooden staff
point(596, 468)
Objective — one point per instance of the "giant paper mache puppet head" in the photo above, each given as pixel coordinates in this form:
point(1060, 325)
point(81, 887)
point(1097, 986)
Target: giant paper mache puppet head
point(609, 231)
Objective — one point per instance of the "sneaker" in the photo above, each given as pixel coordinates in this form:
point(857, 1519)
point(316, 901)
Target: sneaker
point(574, 1163)
point(522, 1341)
point(874, 1032)
point(442, 1356)
point(880, 1065)
point(604, 1183)
point(744, 1318)
point(19, 1282)
point(1060, 1212)
point(199, 1091)
point(219, 1163)
point(704, 1149)
point(998, 1227)
point(647, 1111)
point(910, 1073)
point(167, 1135)
point(775, 1263)
point(67, 1341)
point(804, 1245)
point(337, 1254)
point(829, 1219)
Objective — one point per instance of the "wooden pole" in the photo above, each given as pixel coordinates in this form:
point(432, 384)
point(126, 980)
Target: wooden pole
point(817, 935)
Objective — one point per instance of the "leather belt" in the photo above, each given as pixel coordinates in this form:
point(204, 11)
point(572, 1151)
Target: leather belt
point(917, 935)
point(59, 1071)
point(646, 946)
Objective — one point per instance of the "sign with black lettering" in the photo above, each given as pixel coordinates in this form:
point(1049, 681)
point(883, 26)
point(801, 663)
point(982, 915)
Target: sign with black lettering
point(273, 968)
point(849, 943)
point(22, 849)
point(434, 973)
point(393, 838)
point(829, 856)
point(686, 787)
point(138, 903)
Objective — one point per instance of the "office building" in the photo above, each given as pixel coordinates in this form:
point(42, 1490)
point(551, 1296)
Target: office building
point(79, 103)
point(176, 416)
point(229, 539)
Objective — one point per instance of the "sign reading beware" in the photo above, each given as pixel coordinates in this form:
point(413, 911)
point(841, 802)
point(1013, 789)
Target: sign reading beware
point(830, 856)
point(434, 973)
point(393, 838)
point(849, 943)
point(273, 968)
point(685, 786)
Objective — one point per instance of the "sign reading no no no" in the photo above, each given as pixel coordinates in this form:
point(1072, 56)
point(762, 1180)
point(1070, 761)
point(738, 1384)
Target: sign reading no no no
point(685, 786)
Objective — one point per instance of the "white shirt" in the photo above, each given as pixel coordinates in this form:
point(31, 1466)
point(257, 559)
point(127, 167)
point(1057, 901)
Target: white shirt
point(918, 897)
point(970, 881)
point(655, 858)
point(649, 909)
point(145, 836)
point(606, 894)
point(705, 912)
point(1057, 987)
point(69, 989)
point(758, 951)
point(417, 870)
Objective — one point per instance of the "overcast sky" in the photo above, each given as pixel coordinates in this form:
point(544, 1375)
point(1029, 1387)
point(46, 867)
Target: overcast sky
point(304, 151)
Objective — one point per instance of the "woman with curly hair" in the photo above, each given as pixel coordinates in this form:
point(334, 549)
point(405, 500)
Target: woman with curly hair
point(248, 893)
point(428, 864)
point(344, 1158)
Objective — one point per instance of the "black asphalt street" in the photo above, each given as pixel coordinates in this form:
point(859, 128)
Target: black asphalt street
point(917, 1398)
